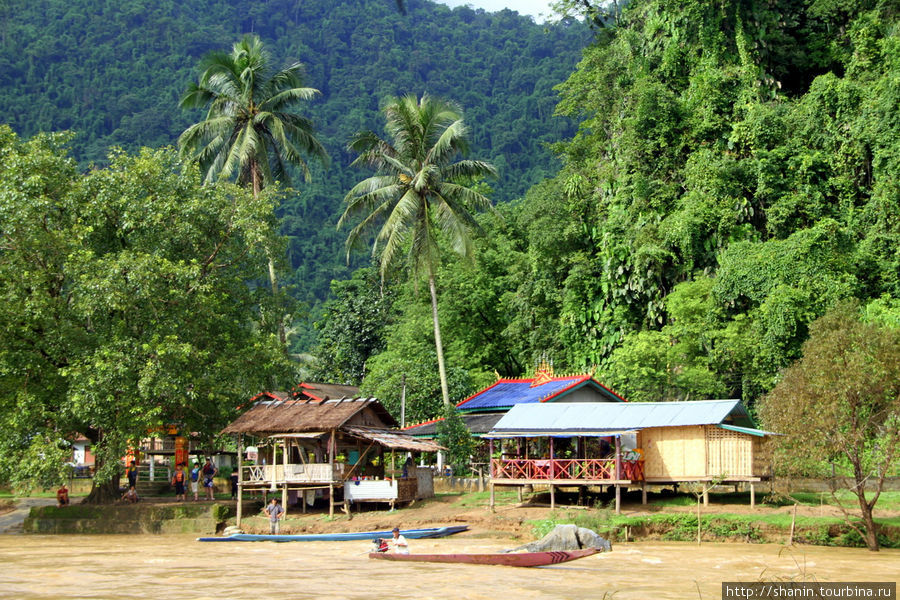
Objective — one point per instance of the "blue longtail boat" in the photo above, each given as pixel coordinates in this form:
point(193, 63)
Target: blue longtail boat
point(431, 532)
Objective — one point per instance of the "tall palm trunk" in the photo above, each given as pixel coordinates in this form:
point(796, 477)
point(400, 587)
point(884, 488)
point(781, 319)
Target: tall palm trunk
point(273, 278)
point(437, 341)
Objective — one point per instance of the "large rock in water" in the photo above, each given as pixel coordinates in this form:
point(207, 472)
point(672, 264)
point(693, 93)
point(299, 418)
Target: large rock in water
point(567, 537)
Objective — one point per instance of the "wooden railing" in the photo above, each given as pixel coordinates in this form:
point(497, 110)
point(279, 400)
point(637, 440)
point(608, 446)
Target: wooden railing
point(296, 473)
point(590, 469)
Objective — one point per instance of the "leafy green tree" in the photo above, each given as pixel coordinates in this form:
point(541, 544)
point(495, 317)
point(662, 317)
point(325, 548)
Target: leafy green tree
point(249, 130)
point(453, 434)
point(408, 359)
point(839, 406)
point(353, 327)
point(125, 305)
point(420, 194)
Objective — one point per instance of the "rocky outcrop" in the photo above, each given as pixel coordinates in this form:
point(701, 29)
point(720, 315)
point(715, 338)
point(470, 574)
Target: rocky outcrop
point(567, 537)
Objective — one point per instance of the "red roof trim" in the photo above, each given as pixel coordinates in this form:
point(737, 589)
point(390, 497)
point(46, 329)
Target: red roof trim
point(611, 391)
point(422, 423)
point(578, 382)
point(271, 395)
point(580, 379)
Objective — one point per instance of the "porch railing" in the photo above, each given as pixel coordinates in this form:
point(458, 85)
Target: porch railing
point(295, 473)
point(588, 469)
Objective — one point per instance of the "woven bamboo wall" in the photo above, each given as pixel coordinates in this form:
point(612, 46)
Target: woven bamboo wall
point(730, 454)
point(702, 451)
point(674, 452)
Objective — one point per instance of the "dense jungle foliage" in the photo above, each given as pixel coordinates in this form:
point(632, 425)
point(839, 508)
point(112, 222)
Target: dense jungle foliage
point(733, 177)
point(113, 72)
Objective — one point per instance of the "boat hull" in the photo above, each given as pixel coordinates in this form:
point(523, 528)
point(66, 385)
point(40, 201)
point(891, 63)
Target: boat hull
point(524, 559)
point(431, 532)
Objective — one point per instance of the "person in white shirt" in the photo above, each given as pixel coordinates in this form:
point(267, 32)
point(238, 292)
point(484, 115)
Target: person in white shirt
point(399, 544)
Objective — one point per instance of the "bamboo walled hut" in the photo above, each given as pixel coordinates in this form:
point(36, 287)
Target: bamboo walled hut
point(334, 445)
point(710, 441)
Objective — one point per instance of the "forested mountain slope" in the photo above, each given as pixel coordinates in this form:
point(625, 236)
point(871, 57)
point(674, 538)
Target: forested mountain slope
point(113, 71)
point(734, 177)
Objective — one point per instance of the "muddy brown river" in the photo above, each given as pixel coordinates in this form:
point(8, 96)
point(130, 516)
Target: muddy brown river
point(176, 566)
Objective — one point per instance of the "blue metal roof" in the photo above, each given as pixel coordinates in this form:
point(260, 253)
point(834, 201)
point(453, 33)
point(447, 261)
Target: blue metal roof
point(597, 417)
point(748, 430)
point(511, 392)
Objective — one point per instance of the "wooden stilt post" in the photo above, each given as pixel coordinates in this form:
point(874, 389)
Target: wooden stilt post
point(705, 495)
point(618, 458)
point(240, 485)
point(643, 493)
point(552, 495)
point(519, 489)
point(331, 482)
point(330, 499)
point(618, 499)
point(491, 486)
point(752, 495)
point(284, 476)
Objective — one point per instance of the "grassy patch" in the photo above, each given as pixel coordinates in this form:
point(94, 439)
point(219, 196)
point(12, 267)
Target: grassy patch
point(682, 526)
point(478, 499)
point(886, 501)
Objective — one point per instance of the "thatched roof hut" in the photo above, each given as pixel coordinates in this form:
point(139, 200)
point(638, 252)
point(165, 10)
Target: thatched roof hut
point(277, 415)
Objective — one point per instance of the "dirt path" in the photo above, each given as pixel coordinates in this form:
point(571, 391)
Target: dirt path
point(11, 521)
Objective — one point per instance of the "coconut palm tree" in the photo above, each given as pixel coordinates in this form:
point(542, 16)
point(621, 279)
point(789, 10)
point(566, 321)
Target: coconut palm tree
point(249, 132)
point(421, 193)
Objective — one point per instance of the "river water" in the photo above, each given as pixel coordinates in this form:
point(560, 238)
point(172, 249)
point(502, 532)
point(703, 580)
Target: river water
point(176, 566)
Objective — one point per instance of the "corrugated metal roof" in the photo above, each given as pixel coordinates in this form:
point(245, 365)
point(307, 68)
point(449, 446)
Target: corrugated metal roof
point(558, 434)
point(393, 439)
point(594, 416)
point(325, 391)
point(749, 430)
point(511, 392)
point(476, 423)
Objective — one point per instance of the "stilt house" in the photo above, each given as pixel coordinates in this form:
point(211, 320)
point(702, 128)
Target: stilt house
point(335, 447)
point(668, 442)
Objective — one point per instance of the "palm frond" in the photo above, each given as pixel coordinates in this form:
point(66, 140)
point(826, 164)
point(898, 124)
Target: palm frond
point(469, 170)
point(246, 128)
point(418, 195)
point(450, 143)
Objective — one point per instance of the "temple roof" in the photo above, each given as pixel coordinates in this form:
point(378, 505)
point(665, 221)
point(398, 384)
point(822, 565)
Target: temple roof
point(506, 393)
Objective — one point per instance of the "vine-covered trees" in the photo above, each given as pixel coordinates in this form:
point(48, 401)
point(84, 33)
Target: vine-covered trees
point(839, 408)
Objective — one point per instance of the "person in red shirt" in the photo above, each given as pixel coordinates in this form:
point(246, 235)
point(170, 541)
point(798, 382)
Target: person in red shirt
point(62, 496)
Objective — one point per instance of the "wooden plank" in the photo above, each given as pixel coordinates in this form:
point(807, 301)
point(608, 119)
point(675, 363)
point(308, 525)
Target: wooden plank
point(240, 489)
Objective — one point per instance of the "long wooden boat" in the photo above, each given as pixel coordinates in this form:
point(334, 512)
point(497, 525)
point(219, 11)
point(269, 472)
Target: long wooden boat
point(523, 559)
point(431, 532)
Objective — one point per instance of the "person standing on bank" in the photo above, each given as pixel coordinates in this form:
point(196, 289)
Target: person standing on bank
point(132, 473)
point(209, 471)
point(178, 480)
point(274, 511)
point(195, 480)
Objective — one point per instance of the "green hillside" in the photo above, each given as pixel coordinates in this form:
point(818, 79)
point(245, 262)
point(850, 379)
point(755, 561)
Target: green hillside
point(113, 72)
point(734, 178)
